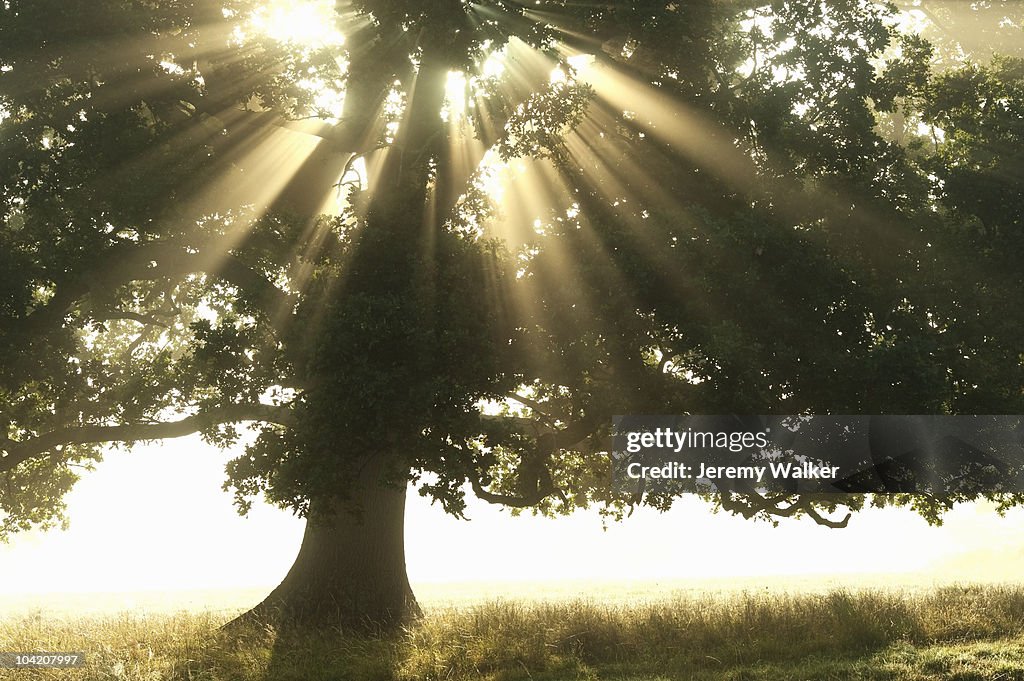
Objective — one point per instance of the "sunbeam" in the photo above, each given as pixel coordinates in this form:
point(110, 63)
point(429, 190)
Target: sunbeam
point(307, 23)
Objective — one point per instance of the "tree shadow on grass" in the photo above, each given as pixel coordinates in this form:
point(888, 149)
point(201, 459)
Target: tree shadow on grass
point(289, 654)
point(964, 634)
point(310, 654)
point(262, 652)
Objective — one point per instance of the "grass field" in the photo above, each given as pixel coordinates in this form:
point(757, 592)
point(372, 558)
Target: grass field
point(961, 633)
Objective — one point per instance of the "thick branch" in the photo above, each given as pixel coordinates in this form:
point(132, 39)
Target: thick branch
point(14, 453)
point(536, 482)
point(524, 501)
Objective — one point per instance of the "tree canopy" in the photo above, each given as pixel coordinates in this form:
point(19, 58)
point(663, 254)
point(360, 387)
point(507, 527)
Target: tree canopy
point(548, 213)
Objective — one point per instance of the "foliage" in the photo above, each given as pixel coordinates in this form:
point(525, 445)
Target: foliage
point(731, 228)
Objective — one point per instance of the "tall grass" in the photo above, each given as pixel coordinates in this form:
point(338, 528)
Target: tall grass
point(961, 633)
point(694, 633)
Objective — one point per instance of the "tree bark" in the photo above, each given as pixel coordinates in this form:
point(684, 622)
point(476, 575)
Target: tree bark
point(350, 571)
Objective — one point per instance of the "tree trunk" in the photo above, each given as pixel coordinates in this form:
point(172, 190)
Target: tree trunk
point(350, 570)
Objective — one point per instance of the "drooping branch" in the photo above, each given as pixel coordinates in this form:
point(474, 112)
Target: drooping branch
point(754, 503)
point(827, 522)
point(530, 499)
point(535, 482)
point(13, 453)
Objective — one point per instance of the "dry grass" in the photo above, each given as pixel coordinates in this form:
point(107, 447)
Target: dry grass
point(955, 633)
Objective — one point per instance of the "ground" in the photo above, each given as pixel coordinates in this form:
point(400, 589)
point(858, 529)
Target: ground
point(960, 633)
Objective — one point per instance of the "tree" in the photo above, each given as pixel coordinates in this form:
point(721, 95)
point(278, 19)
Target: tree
point(723, 229)
point(973, 32)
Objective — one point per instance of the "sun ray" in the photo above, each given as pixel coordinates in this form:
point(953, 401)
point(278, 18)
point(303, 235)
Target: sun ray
point(309, 23)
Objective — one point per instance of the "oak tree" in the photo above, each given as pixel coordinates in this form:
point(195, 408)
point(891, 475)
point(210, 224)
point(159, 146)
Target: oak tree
point(548, 213)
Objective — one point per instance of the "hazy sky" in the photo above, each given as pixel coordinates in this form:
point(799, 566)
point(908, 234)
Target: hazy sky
point(156, 518)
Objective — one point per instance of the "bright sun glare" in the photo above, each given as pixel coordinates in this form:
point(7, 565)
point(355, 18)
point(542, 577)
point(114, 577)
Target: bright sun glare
point(311, 23)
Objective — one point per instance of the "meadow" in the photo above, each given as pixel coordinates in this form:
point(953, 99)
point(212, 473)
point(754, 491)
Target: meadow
point(956, 632)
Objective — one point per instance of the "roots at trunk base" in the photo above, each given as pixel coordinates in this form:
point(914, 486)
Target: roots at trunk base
point(350, 570)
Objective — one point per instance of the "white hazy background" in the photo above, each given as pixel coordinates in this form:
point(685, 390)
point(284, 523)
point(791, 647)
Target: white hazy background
point(156, 521)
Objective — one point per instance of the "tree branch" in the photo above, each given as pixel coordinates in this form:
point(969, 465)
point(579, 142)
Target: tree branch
point(531, 499)
point(145, 320)
point(827, 522)
point(532, 404)
point(129, 261)
point(13, 453)
point(535, 481)
point(758, 503)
